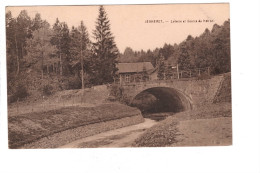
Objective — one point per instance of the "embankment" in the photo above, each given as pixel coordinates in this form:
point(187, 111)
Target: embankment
point(207, 125)
point(49, 129)
point(174, 130)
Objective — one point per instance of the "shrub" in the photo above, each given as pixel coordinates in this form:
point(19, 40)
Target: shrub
point(47, 90)
point(19, 94)
point(73, 83)
point(203, 76)
point(116, 91)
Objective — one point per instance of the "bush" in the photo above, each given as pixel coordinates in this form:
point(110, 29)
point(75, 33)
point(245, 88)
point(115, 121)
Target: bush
point(73, 83)
point(116, 91)
point(47, 90)
point(19, 94)
point(203, 76)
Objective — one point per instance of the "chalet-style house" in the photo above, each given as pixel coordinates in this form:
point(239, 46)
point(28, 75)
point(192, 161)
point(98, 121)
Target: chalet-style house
point(136, 72)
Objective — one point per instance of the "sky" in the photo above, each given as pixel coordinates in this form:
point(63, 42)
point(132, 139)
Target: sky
point(128, 22)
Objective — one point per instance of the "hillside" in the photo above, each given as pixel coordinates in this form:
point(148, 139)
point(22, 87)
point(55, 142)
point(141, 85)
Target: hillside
point(88, 97)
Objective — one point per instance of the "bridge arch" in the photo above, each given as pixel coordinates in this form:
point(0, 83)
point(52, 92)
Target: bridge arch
point(167, 99)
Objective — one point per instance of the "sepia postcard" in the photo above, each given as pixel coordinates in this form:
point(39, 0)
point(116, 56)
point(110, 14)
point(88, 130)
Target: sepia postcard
point(109, 76)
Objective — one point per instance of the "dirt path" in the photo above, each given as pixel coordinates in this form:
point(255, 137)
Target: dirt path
point(122, 137)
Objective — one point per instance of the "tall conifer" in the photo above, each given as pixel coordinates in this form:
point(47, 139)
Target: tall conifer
point(104, 49)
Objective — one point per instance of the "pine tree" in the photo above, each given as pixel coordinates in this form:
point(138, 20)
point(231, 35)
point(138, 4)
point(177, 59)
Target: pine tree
point(184, 58)
point(161, 68)
point(105, 50)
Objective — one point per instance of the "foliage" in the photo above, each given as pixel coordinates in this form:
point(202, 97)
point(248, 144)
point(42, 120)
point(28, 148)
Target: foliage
point(105, 51)
point(161, 68)
point(19, 94)
point(117, 91)
point(203, 76)
point(168, 71)
point(80, 52)
point(61, 39)
point(184, 60)
point(210, 49)
point(73, 83)
point(145, 75)
point(17, 31)
point(39, 48)
point(47, 90)
point(31, 43)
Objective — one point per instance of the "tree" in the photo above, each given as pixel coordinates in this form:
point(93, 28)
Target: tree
point(61, 40)
point(80, 51)
point(161, 68)
point(167, 50)
point(145, 75)
point(22, 32)
point(105, 50)
point(221, 48)
point(128, 53)
point(39, 47)
point(11, 50)
point(17, 31)
point(168, 71)
point(184, 58)
point(37, 22)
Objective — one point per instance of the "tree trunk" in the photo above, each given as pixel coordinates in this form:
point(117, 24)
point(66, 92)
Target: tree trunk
point(82, 70)
point(22, 51)
point(42, 65)
point(17, 56)
point(60, 58)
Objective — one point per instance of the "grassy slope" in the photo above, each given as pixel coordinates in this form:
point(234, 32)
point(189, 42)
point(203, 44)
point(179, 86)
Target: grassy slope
point(88, 97)
point(32, 126)
point(166, 133)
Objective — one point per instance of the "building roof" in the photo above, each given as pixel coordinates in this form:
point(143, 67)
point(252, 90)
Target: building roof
point(134, 67)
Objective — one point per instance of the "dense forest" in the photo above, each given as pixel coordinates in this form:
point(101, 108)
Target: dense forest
point(44, 58)
point(210, 49)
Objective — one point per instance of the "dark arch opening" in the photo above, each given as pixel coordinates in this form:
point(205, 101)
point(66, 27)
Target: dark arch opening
point(161, 100)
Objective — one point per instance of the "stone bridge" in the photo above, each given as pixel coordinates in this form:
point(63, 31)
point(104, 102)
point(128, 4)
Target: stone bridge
point(182, 94)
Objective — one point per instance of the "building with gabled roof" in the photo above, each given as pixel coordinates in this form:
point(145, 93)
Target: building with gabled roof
point(135, 72)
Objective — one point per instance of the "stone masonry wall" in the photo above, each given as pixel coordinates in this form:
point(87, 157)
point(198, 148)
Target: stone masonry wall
point(198, 92)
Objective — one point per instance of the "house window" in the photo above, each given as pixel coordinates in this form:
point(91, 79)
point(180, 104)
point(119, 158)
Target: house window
point(127, 78)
